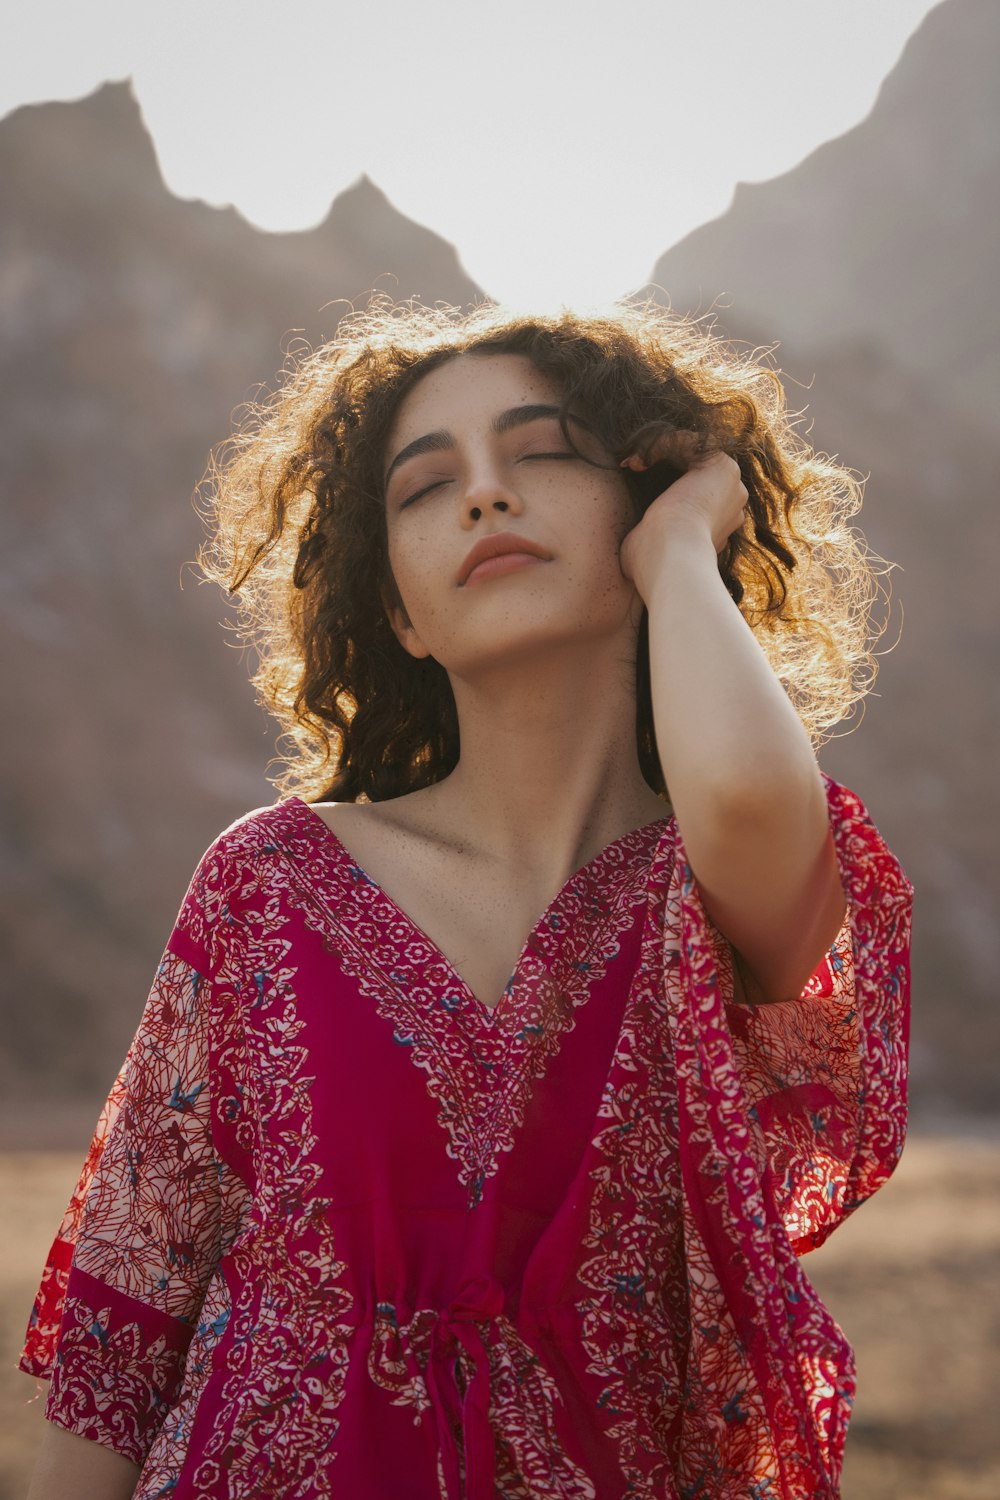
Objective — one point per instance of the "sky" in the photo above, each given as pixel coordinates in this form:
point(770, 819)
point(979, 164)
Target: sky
point(561, 145)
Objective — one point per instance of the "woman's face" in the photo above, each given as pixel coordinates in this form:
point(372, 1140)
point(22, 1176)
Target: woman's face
point(476, 449)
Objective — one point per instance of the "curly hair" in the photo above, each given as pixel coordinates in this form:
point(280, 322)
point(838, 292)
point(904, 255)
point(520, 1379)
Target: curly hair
point(295, 508)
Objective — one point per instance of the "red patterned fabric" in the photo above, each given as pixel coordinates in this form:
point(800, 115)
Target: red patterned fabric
point(343, 1231)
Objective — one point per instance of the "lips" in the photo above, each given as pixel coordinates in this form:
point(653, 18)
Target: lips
point(499, 545)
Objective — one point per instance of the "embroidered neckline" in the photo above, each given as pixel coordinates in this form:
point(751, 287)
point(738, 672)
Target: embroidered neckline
point(634, 842)
point(481, 1066)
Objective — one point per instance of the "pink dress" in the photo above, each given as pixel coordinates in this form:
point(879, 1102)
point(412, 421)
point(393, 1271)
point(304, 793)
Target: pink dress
point(344, 1231)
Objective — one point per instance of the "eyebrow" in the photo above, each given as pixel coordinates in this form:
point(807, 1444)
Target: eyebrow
point(505, 421)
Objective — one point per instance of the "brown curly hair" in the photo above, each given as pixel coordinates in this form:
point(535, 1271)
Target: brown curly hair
point(297, 528)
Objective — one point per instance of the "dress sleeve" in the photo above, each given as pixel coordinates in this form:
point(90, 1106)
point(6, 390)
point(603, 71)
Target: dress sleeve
point(824, 1076)
point(138, 1243)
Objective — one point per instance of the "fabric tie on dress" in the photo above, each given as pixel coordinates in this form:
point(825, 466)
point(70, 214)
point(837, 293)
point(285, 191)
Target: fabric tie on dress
point(479, 1300)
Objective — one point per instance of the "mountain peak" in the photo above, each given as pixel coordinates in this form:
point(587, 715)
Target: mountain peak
point(101, 136)
point(843, 247)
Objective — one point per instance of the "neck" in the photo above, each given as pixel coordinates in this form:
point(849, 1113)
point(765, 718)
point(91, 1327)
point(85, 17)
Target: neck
point(549, 768)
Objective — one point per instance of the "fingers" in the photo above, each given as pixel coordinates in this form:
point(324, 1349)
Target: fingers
point(679, 447)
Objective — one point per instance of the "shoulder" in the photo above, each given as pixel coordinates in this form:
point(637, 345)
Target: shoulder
point(253, 829)
point(235, 853)
point(412, 813)
point(259, 830)
point(228, 876)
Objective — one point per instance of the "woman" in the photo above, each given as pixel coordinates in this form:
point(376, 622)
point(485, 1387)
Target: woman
point(405, 1189)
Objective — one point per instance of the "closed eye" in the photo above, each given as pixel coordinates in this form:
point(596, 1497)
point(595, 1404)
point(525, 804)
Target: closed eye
point(438, 482)
point(425, 491)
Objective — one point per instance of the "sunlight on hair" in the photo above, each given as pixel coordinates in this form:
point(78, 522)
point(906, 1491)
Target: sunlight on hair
point(297, 537)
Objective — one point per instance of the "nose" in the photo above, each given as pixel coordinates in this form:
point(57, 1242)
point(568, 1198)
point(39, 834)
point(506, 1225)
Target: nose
point(487, 489)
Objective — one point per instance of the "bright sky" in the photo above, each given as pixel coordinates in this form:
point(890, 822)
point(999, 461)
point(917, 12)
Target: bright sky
point(562, 145)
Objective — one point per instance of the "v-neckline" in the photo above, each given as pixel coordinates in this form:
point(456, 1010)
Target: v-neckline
point(324, 834)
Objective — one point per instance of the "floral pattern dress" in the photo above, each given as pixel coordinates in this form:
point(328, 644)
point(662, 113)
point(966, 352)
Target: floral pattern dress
point(344, 1231)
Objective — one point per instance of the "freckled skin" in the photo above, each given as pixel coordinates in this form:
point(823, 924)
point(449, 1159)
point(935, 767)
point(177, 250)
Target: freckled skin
point(577, 512)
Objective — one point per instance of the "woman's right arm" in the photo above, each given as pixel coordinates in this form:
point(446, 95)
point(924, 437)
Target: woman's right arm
point(69, 1464)
point(153, 1212)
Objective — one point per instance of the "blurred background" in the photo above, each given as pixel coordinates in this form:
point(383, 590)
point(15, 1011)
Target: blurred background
point(136, 316)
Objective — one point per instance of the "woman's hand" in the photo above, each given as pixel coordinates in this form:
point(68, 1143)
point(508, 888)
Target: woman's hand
point(709, 497)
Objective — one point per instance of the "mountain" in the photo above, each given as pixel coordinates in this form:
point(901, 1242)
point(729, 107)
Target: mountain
point(887, 235)
point(132, 324)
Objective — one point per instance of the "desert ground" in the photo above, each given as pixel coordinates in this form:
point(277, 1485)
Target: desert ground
point(913, 1278)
